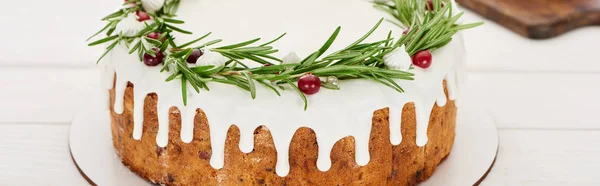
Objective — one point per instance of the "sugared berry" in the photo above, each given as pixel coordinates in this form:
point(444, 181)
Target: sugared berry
point(406, 31)
point(154, 35)
point(430, 6)
point(309, 84)
point(142, 16)
point(154, 60)
point(422, 59)
point(196, 53)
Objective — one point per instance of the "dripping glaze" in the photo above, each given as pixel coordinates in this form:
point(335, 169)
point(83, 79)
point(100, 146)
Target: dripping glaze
point(328, 114)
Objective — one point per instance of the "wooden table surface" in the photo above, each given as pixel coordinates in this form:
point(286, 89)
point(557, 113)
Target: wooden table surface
point(543, 95)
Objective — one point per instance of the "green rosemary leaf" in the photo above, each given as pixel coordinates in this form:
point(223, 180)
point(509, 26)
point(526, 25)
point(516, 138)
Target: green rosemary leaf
point(175, 6)
point(299, 92)
point(209, 43)
point(366, 35)
point(438, 17)
point(108, 49)
point(389, 38)
point(224, 81)
point(279, 77)
point(135, 47)
point(103, 40)
point(359, 59)
point(238, 83)
point(309, 61)
point(195, 85)
point(211, 71)
point(379, 81)
point(148, 29)
point(274, 40)
point(184, 90)
point(171, 42)
point(141, 53)
point(205, 86)
point(245, 43)
point(198, 69)
point(266, 52)
point(329, 41)
point(443, 39)
point(165, 44)
point(389, 80)
point(338, 68)
point(253, 49)
point(342, 56)
point(271, 69)
point(163, 37)
point(179, 54)
point(466, 26)
point(268, 57)
point(454, 18)
point(178, 29)
point(101, 30)
point(394, 72)
point(174, 21)
point(113, 15)
point(173, 77)
point(188, 52)
point(257, 59)
point(152, 41)
point(194, 41)
point(270, 87)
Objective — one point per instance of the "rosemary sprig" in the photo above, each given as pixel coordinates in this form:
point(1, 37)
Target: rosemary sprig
point(429, 30)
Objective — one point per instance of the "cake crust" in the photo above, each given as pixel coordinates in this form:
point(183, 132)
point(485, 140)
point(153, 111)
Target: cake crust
point(182, 163)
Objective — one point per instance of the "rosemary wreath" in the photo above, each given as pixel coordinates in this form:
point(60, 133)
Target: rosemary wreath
point(429, 25)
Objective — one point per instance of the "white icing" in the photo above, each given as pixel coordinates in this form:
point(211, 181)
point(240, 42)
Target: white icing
point(292, 57)
point(398, 59)
point(211, 58)
point(332, 114)
point(152, 5)
point(130, 26)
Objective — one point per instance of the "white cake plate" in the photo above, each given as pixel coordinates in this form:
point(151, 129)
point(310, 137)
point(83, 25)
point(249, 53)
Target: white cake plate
point(470, 160)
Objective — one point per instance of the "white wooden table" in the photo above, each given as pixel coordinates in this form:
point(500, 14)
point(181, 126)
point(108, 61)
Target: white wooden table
point(543, 95)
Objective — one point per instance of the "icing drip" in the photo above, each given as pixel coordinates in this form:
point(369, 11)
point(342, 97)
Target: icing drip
point(332, 114)
point(395, 125)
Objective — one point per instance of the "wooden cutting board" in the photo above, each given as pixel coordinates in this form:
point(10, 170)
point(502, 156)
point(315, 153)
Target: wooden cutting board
point(538, 19)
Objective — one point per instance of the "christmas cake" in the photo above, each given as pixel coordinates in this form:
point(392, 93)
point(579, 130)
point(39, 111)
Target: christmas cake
point(283, 92)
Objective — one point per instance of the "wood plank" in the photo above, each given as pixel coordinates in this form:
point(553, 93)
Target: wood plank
point(62, 42)
point(36, 155)
point(546, 157)
point(538, 19)
point(526, 157)
point(52, 32)
point(44, 95)
point(537, 100)
point(515, 100)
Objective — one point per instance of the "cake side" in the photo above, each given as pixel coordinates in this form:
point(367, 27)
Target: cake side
point(181, 163)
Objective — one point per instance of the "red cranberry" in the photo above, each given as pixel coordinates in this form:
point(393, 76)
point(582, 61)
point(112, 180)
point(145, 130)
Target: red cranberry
point(154, 35)
point(132, 3)
point(309, 84)
point(422, 59)
point(156, 60)
point(430, 6)
point(142, 16)
point(267, 64)
point(406, 31)
point(196, 53)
